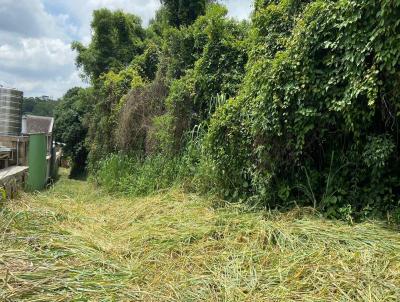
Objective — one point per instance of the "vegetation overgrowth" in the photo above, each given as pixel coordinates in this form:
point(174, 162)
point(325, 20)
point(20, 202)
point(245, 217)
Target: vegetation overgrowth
point(75, 242)
point(299, 106)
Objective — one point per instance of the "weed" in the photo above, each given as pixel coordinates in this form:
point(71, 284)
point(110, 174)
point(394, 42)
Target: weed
point(78, 243)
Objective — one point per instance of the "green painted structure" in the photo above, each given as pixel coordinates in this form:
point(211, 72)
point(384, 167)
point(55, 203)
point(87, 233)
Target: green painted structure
point(37, 176)
point(53, 164)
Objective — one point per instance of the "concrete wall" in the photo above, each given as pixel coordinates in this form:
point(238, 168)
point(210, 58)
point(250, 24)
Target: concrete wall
point(12, 180)
point(20, 145)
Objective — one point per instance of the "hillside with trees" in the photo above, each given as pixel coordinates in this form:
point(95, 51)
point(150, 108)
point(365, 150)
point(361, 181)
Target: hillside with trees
point(42, 106)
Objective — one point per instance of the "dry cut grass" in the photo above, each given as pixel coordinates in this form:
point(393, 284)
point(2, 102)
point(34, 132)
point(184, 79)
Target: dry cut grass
point(77, 243)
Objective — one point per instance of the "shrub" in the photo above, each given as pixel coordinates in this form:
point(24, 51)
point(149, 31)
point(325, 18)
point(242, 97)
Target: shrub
point(218, 70)
point(136, 117)
point(319, 106)
point(135, 176)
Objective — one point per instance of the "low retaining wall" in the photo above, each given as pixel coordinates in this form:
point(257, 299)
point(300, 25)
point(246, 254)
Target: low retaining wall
point(12, 180)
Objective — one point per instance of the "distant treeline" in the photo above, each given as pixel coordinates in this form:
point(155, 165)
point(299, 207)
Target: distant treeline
point(38, 106)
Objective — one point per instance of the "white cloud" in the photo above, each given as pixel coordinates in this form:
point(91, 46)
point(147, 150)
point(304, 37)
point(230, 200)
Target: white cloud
point(239, 9)
point(81, 11)
point(35, 52)
point(54, 87)
point(35, 37)
point(31, 55)
point(27, 18)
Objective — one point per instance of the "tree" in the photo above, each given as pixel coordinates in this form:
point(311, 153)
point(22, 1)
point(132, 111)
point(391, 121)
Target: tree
point(218, 70)
point(316, 119)
point(71, 128)
point(116, 54)
point(117, 39)
point(184, 12)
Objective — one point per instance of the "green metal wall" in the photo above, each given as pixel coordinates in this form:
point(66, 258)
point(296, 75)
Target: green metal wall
point(53, 164)
point(37, 162)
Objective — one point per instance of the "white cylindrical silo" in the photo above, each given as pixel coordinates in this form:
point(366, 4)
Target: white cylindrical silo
point(10, 111)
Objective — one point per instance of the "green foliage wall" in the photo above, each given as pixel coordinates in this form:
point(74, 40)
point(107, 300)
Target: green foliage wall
point(109, 97)
point(319, 106)
point(219, 69)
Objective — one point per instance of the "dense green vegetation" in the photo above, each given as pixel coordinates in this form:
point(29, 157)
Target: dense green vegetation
point(71, 129)
point(300, 106)
point(215, 149)
point(38, 106)
point(318, 108)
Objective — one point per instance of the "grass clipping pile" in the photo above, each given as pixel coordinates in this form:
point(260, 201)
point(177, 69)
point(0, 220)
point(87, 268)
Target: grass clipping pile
point(77, 243)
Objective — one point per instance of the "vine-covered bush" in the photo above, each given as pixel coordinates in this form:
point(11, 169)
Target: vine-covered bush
point(320, 106)
point(135, 121)
point(109, 98)
point(219, 69)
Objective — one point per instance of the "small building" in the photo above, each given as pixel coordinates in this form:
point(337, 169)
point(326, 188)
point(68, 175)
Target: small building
point(22, 138)
point(13, 145)
point(33, 124)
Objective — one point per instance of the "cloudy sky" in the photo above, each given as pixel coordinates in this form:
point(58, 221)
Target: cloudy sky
point(35, 38)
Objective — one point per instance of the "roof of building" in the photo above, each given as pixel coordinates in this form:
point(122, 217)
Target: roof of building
point(39, 124)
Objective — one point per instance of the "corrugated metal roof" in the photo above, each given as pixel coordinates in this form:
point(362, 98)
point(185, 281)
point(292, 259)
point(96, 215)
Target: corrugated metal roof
point(39, 124)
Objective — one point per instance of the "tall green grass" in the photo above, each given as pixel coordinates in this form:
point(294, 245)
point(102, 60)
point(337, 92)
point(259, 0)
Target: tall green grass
point(136, 176)
point(140, 176)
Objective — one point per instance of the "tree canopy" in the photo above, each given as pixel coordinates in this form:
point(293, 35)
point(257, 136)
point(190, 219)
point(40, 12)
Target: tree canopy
point(71, 129)
point(184, 12)
point(117, 40)
point(38, 106)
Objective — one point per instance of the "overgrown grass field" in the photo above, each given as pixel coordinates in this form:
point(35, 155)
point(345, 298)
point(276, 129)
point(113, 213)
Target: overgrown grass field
point(77, 243)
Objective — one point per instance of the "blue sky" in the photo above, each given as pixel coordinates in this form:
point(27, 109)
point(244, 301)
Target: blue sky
point(35, 38)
